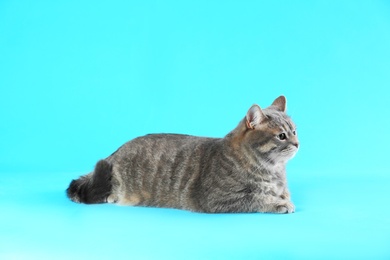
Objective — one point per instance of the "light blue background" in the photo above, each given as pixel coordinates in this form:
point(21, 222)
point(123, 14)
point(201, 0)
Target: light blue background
point(80, 78)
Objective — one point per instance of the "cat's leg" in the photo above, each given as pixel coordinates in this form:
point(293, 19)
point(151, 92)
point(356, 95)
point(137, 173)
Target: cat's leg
point(123, 200)
point(248, 203)
point(226, 203)
point(267, 205)
point(124, 194)
point(285, 194)
point(120, 193)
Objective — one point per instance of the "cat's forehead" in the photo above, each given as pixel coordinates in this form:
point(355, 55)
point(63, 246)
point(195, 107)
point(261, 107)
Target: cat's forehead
point(279, 120)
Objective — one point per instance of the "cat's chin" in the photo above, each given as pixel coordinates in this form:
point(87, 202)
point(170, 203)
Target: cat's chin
point(289, 154)
point(293, 153)
point(292, 156)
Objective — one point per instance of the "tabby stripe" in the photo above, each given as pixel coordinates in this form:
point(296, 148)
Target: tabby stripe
point(155, 176)
point(177, 169)
point(135, 170)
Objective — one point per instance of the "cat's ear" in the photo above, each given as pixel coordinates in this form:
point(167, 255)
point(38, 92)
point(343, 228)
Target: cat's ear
point(254, 117)
point(280, 104)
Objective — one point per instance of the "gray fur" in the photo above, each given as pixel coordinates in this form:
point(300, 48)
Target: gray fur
point(243, 172)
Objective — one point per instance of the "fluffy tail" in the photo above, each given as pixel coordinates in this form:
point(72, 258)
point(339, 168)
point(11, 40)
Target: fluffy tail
point(94, 187)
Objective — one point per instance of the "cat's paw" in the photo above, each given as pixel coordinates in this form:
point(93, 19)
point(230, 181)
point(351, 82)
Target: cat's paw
point(112, 199)
point(285, 208)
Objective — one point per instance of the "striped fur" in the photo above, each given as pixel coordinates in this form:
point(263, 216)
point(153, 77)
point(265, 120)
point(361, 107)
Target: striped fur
point(242, 172)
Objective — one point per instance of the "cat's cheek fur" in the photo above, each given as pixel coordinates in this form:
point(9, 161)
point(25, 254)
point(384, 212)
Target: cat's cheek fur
point(268, 147)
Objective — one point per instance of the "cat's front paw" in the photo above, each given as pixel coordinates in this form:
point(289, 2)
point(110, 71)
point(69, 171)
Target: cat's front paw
point(285, 208)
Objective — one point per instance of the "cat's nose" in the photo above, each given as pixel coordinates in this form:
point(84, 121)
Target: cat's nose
point(296, 144)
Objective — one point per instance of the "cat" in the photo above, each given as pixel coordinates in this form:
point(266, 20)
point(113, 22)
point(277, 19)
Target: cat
point(243, 172)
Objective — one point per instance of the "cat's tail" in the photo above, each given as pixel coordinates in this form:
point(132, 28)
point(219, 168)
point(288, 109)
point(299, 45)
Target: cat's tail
point(94, 187)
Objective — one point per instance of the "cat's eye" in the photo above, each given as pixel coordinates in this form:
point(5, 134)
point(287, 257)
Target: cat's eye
point(282, 136)
point(295, 132)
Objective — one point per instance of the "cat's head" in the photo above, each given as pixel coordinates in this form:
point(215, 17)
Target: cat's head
point(269, 134)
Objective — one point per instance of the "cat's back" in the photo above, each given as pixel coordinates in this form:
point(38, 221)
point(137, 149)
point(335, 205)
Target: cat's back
point(156, 145)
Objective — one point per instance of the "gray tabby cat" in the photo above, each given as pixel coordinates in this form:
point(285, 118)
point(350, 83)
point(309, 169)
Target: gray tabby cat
point(243, 172)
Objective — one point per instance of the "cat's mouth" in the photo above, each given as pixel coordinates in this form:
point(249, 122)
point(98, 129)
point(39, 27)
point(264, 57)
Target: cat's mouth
point(290, 151)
